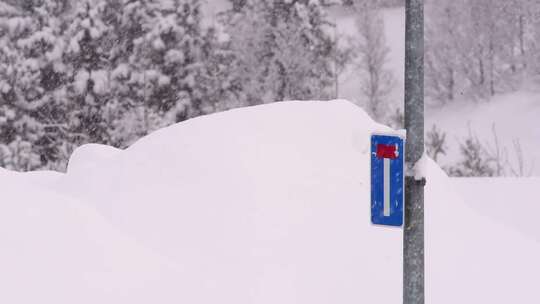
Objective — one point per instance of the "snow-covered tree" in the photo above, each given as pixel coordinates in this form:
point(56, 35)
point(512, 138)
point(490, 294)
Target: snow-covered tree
point(377, 81)
point(131, 115)
point(443, 47)
point(534, 24)
point(215, 83)
point(435, 143)
point(88, 58)
point(283, 49)
point(474, 161)
point(478, 48)
point(32, 94)
point(166, 67)
point(169, 56)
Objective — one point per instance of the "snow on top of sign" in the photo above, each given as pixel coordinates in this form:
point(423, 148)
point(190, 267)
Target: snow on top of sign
point(420, 167)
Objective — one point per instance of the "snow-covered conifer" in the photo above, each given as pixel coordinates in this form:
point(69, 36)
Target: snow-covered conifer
point(32, 75)
point(131, 20)
point(88, 58)
point(215, 84)
point(283, 49)
point(167, 57)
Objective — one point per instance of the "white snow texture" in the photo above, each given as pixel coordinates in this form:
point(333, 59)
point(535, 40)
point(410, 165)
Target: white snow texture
point(267, 204)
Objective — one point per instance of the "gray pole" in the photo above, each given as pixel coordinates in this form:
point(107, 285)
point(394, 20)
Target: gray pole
point(413, 235)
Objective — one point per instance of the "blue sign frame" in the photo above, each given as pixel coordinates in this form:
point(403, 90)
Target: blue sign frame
point(387, 180)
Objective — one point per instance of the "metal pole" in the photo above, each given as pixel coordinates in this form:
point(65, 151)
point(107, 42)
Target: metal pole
point(413, 235)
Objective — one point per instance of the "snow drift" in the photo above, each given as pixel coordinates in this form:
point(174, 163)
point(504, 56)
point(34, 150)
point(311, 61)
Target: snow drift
point(268, 204)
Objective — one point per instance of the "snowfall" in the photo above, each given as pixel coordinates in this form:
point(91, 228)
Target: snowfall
point(463, 117)
point(267, 204)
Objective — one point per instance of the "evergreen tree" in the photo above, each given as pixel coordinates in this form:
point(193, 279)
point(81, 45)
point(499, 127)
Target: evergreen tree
point(167, 68)
point(88, 58)
point(132, 21)
point(283, 49)
point(31, 84)
point(168, 57)
point(215, 83)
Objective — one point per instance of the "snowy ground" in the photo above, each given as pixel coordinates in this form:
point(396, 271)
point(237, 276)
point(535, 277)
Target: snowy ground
point(268, 204)
point(509, 201)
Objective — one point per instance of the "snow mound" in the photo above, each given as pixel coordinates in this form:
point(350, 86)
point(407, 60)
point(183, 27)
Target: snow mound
point(89, 155)
point(516, 206)
point(267, 204)
point(55, 249)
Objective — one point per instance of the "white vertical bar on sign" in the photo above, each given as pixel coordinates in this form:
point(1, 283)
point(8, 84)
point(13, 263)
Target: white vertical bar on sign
point(386, 178)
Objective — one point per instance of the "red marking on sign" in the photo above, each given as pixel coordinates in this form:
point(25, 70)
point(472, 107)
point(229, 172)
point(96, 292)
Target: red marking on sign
point(386, 151)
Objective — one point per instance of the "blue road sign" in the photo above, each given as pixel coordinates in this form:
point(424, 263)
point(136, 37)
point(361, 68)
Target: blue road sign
point(387, 182)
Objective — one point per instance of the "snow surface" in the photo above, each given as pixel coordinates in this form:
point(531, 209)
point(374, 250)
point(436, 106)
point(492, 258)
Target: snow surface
point(268, 204)
point(510, 201)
